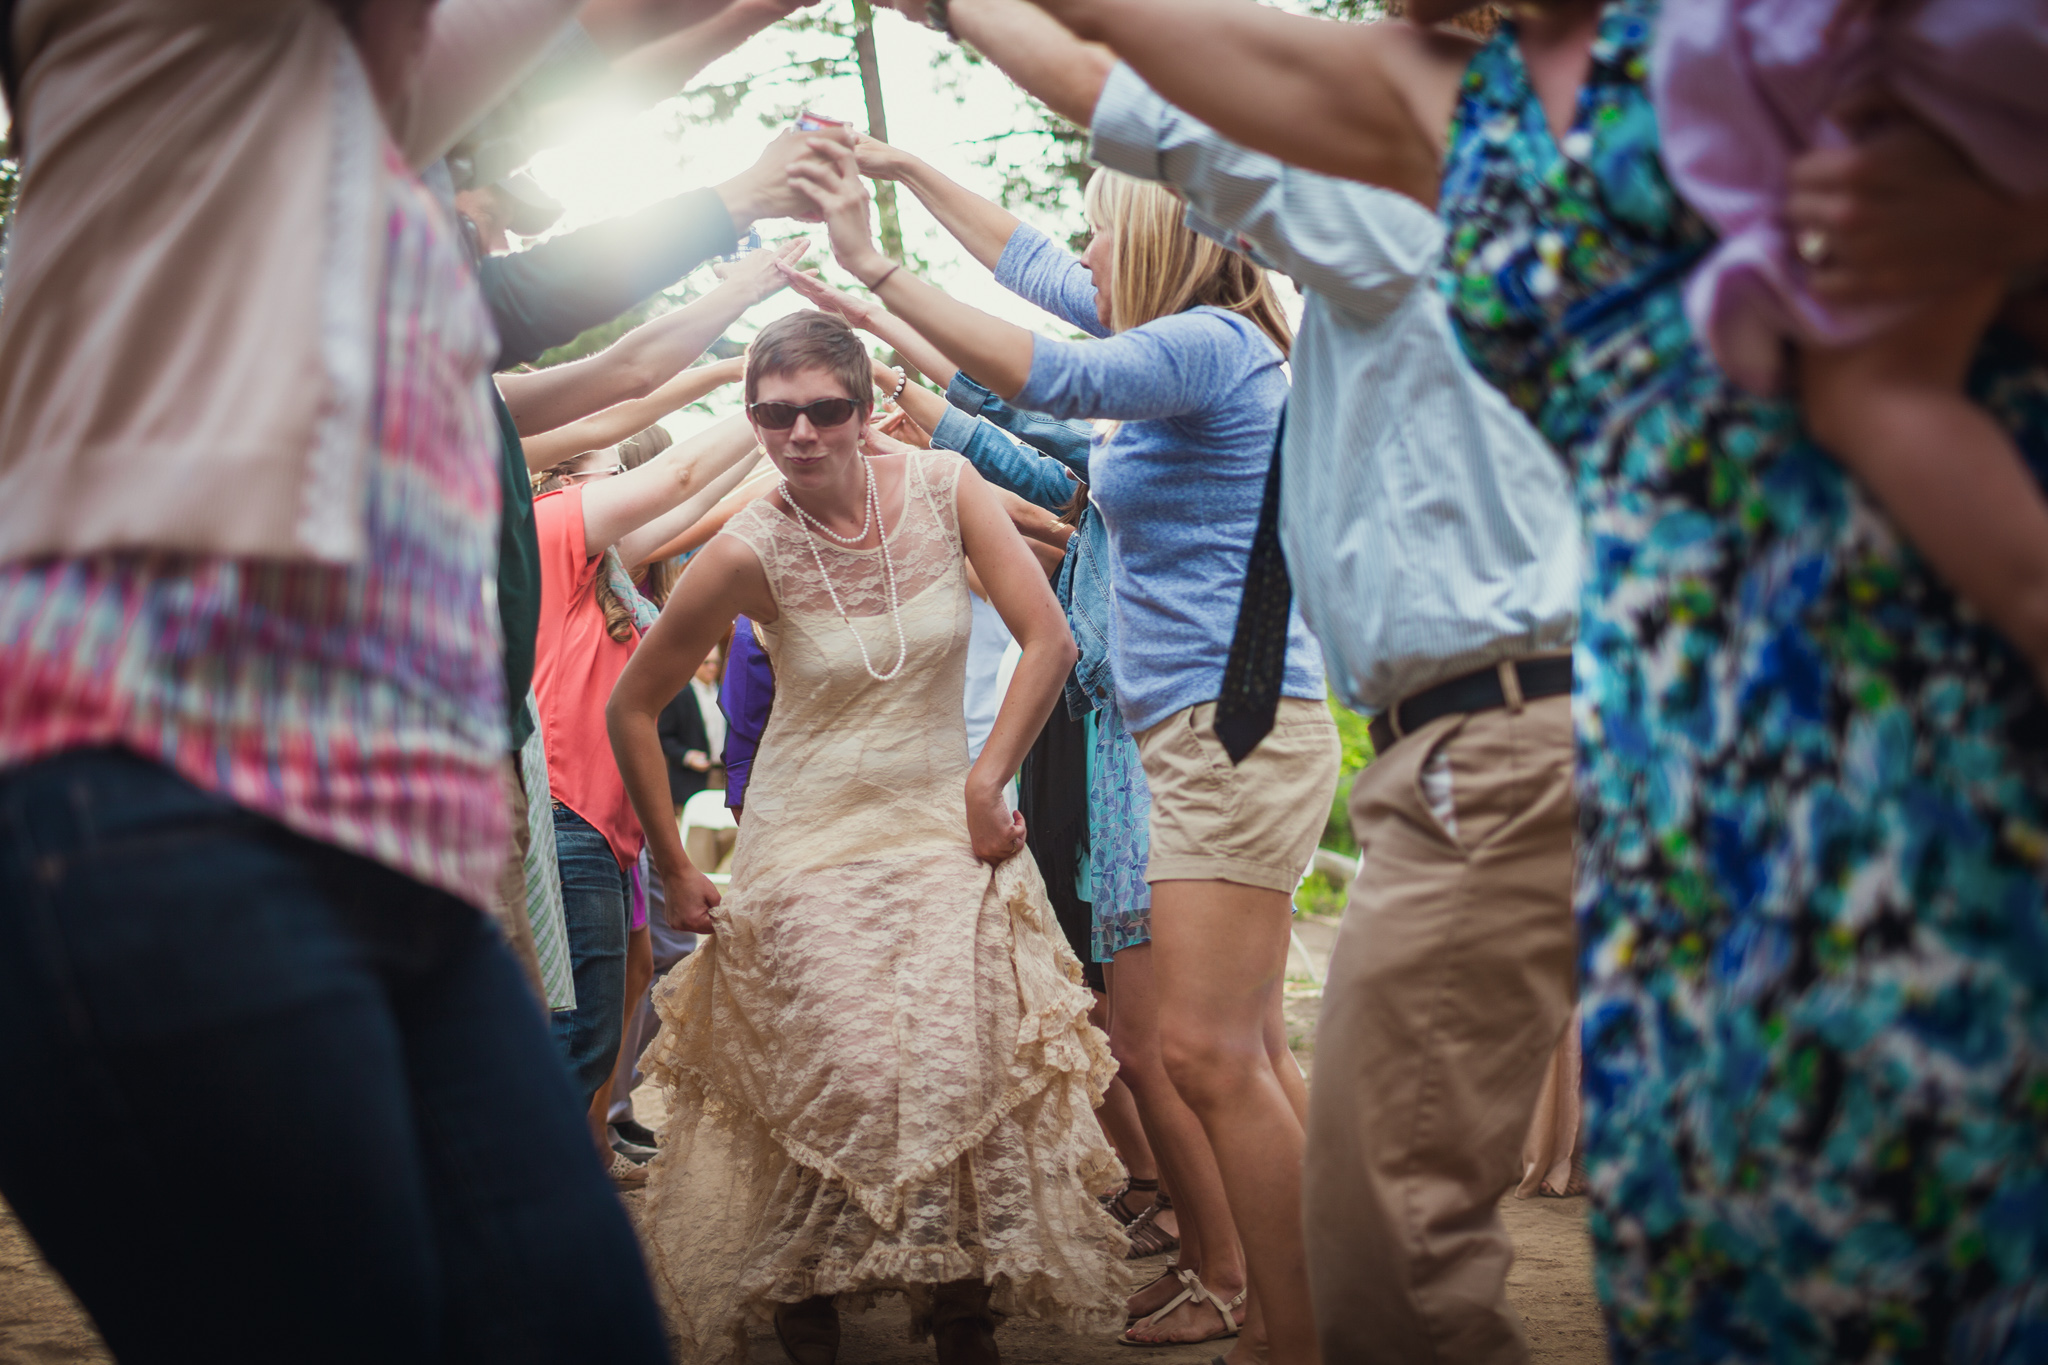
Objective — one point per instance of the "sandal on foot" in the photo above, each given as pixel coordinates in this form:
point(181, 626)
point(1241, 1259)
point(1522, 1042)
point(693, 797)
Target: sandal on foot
point(1147, 1237)
point(1118, 1205)
point(1195, 1292)
point(1172, 1272)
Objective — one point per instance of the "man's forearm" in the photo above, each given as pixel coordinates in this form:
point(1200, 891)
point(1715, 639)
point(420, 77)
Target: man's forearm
point(1355, 100)
point(545, 296)
point(1037, 52)
point(663, 67)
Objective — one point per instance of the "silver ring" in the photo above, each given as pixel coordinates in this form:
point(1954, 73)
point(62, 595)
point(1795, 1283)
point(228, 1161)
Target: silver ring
point(1812, 246)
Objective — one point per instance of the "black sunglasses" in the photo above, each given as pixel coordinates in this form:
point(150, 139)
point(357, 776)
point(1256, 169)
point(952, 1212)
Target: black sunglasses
point(825, 412)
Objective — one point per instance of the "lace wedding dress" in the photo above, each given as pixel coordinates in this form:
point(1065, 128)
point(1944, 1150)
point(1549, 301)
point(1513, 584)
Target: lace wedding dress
point(879, 1069)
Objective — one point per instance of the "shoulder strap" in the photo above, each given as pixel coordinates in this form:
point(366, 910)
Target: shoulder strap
point(754, 526)
point(940, 487)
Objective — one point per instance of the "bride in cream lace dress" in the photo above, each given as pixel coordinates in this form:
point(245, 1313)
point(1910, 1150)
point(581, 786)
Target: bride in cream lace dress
point(878, 1067)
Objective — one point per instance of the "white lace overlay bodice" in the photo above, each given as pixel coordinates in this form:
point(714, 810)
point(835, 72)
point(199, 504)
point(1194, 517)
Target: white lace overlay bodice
point(880, 1069)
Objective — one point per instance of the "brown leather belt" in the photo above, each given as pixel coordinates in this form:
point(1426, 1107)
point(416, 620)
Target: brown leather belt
point(1479, 690)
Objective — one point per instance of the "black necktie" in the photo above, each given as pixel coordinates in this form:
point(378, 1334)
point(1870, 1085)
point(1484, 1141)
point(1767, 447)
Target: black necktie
point(1258, 650)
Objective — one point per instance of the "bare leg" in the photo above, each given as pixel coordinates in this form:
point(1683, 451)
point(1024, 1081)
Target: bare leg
point(639, 976)
point(1208, 1239)
point(1893, 411)
point(1286, 1070)
point(1221, 958)
point(1118, 1115)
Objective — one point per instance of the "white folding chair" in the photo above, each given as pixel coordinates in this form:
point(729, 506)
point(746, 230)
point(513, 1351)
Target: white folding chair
point(707, 810)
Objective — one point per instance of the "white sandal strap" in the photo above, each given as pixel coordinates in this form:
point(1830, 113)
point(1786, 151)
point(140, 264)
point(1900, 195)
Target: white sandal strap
point(1195, 1291)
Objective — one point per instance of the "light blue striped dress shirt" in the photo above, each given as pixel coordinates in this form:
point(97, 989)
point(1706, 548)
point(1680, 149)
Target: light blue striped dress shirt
point(1429, 530)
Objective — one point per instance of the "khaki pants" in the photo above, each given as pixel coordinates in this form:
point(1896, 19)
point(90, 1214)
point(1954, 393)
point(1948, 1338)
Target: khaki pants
point(508, 912)
point(1451, 982)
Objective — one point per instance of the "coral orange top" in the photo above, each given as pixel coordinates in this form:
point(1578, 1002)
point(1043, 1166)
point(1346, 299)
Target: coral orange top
point(576, 664)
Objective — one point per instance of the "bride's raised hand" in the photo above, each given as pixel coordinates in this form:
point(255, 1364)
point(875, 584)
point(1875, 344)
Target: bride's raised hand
point(829, 178)
point(996, 831)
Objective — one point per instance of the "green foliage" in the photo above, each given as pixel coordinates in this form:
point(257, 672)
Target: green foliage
point(1351, 733)
point(1318, 895)
point(1354, 10)
point(10, 184)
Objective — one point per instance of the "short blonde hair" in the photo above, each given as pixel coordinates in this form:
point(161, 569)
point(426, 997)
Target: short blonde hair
point(1160, 266)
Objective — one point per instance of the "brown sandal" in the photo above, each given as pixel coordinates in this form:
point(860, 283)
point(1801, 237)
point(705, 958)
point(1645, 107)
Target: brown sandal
point(1118, 1205)
point(1147, 1237)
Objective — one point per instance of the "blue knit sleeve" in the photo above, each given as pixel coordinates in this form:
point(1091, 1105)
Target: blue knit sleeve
point(1039, 270)
point(1169, 367)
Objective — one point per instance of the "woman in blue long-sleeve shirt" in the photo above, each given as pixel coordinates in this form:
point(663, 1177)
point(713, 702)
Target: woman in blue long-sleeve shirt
point(1189, 366)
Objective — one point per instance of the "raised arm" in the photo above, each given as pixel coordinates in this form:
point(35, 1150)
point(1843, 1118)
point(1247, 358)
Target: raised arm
point(1038, 479)
point(1369, 102)
point(662, 67)
point(997, 351)
point(647, 357)
point(626, 502)
point(722, 582)
point(477, 51)
point(547, 294)
point(755, 484)
point(1016, 587)
point(877, 322)
point(1068, 441)
point(546, 449)
point(981, 225)
point(734, 460)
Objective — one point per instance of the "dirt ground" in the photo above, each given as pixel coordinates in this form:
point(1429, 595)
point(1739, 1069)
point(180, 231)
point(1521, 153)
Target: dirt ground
point(1551, 1284)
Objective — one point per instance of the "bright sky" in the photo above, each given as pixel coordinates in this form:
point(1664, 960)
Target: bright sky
point(622, 163)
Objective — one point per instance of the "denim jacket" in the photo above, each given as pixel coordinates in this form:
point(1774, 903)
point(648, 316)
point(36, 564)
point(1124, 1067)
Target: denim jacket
point(1044, 473)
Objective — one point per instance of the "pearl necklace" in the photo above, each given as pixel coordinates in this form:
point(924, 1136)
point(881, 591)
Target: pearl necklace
point(873, 517)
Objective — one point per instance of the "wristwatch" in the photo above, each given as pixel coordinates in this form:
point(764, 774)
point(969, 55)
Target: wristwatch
point(938, 13)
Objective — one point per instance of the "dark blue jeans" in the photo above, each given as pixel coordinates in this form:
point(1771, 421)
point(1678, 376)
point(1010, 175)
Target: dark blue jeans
point(594, 911)
point(265, 1100)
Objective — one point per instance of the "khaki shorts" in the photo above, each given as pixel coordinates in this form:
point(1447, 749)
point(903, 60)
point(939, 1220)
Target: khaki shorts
point(1255, 823)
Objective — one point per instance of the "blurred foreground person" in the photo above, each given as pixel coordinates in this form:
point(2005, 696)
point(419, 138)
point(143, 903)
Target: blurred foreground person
point(252, 722)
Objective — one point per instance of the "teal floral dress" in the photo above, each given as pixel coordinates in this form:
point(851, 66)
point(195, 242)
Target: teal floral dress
point(1813, 799)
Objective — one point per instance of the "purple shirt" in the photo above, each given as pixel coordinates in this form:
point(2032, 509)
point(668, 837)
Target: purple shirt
point(745, 696)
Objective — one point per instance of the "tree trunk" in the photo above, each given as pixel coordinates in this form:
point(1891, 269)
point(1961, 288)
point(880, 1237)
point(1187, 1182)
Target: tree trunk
point(878, 123)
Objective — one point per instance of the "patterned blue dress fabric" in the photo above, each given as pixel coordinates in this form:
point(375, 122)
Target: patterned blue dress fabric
point(1813, 798)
